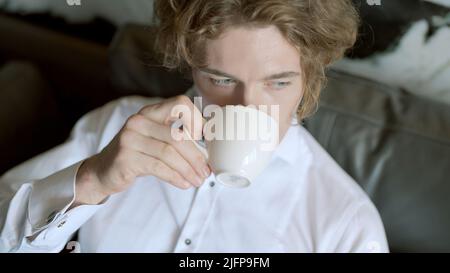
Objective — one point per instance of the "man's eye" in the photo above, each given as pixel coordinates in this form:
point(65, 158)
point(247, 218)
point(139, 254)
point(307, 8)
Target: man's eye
point(222, 82)
point(279, 85)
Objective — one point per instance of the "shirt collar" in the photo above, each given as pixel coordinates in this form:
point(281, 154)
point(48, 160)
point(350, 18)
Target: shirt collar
point(293, 146)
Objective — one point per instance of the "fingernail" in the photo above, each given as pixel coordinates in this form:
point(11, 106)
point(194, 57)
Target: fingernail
point(187, 184)
point(198, 181)
point(206, 171)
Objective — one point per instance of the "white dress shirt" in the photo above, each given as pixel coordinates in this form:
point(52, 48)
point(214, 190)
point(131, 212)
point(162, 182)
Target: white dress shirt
point(302, 202)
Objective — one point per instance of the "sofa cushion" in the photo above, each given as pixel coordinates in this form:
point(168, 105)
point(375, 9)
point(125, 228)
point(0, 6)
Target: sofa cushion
point(30, 120)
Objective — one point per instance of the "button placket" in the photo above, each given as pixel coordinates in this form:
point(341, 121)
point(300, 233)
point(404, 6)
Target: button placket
point(197, 217)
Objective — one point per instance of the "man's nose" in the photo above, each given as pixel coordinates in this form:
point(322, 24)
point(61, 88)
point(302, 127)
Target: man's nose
point(247, 95)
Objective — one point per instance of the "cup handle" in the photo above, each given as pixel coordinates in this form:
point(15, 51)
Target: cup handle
point(201, 146)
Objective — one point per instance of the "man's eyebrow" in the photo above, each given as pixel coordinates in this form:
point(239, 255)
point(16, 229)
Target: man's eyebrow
point(281, 75)
point(218, 73)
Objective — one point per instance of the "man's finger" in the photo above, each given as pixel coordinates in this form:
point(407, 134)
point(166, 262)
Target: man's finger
point(177, 108)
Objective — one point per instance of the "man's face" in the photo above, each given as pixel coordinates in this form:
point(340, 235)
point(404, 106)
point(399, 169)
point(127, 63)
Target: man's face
point(252, 66)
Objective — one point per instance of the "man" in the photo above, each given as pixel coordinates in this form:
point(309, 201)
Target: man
point(125, 184)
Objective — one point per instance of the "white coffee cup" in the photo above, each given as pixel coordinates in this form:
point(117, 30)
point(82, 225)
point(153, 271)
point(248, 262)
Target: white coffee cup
point(238, 144)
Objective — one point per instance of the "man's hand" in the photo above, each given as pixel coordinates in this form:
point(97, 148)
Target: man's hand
point(145, 146)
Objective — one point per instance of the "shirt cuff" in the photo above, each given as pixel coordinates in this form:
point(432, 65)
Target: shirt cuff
point(49, 201)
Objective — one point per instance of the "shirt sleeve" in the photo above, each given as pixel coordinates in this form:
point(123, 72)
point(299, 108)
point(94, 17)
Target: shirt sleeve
point(35, 196)
point(362, 232)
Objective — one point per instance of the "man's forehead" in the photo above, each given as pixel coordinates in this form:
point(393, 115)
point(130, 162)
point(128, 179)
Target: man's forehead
point(262, 51)
point(243, 41)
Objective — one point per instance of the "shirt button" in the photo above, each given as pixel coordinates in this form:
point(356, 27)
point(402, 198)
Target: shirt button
point(211, 184)
point(187, 242)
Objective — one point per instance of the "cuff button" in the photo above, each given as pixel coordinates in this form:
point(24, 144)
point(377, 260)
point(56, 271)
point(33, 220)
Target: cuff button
point(61, 223)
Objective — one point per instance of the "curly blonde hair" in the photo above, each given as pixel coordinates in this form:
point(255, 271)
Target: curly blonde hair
point(321, 30)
